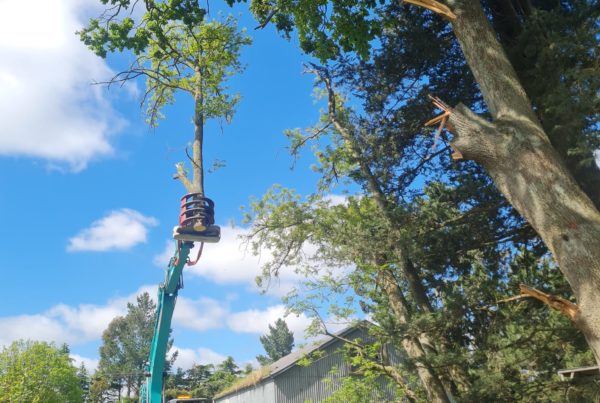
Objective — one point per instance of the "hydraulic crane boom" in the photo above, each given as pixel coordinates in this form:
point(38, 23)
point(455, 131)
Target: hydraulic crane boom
point(152, 389)
point(196, 224)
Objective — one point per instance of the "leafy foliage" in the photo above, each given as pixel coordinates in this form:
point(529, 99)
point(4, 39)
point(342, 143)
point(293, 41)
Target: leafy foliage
point(202, 380)
point(84, 381)
point(32, 371)
point(111, 32)
point(278, 343)
point(175, 53)
point(124, 352)
point(175, 49)
point(452, 243)
point(416, 50)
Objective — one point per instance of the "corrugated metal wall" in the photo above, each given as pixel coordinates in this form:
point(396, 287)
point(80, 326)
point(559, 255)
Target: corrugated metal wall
point(264, 392)
point(302, 384)
point(312, 383)
point(317, 381)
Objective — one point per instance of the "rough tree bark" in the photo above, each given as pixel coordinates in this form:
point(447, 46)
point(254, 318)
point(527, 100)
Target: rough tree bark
point(196, 185)
point(516, 153)
point(412, 345)
point(198, 178)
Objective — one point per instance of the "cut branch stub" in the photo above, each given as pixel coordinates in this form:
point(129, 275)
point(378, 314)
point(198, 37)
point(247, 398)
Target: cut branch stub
point(181, 175)
point(564, 306)
point(435, 6)
point(443, 122)
point(474, 137)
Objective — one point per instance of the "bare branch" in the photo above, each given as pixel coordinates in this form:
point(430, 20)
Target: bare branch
point(190, 157)
point(267, 19)
point(564, 306)
point(316, 133)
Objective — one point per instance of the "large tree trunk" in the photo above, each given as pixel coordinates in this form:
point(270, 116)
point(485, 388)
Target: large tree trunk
point(516, 152)
point(412, 345)
point(509, 17)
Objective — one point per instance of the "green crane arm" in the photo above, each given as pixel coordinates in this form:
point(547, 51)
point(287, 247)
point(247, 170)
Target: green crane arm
point(152, 389)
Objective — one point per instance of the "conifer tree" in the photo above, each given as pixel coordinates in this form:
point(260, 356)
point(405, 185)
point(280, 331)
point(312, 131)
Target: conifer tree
point(278, 343)
point(124, 350)
point(504, 132)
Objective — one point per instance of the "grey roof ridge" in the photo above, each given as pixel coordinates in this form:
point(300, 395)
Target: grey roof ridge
point(287, 362)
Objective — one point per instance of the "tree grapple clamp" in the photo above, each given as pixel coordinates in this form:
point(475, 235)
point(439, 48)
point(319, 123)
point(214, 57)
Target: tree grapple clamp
point(197, 220)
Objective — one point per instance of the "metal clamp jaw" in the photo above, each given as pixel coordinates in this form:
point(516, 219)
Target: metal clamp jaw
point(197, 220)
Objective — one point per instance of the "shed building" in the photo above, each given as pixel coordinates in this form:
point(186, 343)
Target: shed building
point(285, 381)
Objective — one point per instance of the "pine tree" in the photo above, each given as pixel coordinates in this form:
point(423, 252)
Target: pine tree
point(84, 381)
point(278, 343)
point(125, 348)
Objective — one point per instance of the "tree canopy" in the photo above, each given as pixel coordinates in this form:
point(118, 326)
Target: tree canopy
point(448, 238)
point(278, 342)
point(537, 154)
point(33, 371)
point(175, 49)
point(124, 352)
point(433, 246)
point(202, 380)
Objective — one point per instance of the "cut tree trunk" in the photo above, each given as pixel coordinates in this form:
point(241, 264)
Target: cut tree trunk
point(516, 153)
point(198, 168)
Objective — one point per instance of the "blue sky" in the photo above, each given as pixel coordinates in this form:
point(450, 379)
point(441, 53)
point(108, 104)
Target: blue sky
point(88, 201)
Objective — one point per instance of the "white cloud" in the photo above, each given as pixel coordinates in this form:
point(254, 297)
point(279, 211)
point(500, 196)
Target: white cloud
point(91, 364)
point(48, 106)
point(187, 357)
point(73, 325)
point(258, 321)
point(40, 327)
point(228, 262)
point(201, 314)
point(63, 324)
point(88, 321)
point(336, 200)
point(76, 325)
point(119, 230)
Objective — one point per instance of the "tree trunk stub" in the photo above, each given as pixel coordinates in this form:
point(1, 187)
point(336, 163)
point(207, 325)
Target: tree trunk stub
point(525, 167)
point(198, 168)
